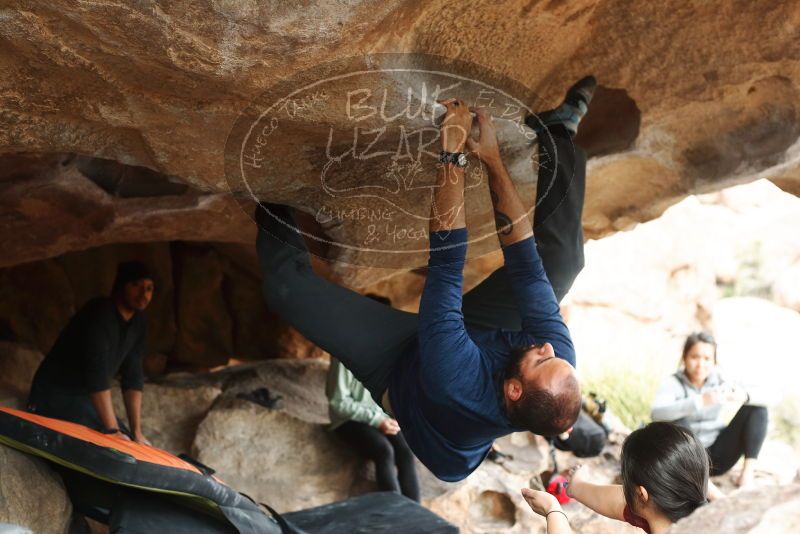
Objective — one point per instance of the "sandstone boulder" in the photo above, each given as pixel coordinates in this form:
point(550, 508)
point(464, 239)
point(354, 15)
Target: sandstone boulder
point(171, 413)
point(274, 457)
point(756, 511)
point(677, 115)
point(32, 494)
point(300, 384)
point(284, 455)
point(204, 324)
point(489, 500)
point(18, 365)
point(36, 301)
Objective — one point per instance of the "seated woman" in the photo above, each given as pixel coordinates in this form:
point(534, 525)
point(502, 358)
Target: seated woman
point(371, 434)
point(693, 397)
point(664, 479)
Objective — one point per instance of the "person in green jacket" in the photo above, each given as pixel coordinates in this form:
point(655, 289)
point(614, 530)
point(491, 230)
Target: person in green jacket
point(372, 434)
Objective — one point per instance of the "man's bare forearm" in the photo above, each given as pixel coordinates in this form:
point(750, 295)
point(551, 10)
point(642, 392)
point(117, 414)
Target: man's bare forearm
point(105, 409)
point(133, 405)
point(447, 209)
point(510, 216)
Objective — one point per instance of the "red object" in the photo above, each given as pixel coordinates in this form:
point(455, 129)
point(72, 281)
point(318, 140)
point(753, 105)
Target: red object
point(635, 520)
point(558, 488)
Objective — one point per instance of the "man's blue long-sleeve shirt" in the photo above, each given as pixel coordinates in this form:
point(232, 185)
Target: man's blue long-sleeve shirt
point(446, 393)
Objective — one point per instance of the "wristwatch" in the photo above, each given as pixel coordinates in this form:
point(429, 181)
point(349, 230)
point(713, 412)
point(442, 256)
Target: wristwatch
point(459, 159)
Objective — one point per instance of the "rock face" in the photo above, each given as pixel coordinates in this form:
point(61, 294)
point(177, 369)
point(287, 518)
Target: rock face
point(283, 456)
point(489, 500)
point(274, 457)
point(31, 494)
point(171, 414)
point(685, 114)
point(759, 512)
point(207, 307)
point(18, 364)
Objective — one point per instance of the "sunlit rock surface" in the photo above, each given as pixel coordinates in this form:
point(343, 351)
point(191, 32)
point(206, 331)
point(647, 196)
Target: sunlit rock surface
point(155, 89)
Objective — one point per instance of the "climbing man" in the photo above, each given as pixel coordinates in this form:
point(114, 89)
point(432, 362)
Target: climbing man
point(462, 372)
point(105, 338)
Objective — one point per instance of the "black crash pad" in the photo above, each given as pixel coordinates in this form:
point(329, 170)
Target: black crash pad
point(373, 513)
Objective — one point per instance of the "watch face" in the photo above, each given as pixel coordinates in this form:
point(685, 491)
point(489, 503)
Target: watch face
point(462, 160)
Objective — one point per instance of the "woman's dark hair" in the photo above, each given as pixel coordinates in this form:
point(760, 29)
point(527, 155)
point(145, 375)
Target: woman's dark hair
point(671, 464)
point(699, 337)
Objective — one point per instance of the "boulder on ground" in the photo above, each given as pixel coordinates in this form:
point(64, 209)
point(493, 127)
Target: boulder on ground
point(171, 413)
point(31, 494)
point(753, 511)
point(490, 499)
point(275, 457)
point(18, 364)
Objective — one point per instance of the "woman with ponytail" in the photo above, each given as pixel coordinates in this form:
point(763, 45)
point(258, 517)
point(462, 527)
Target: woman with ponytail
point(664, 479)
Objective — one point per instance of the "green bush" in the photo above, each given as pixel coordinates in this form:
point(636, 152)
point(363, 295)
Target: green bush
point(628, 393)
point(785, 421)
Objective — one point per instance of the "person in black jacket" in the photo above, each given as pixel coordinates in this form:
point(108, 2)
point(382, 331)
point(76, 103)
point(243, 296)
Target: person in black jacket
point(105, 338)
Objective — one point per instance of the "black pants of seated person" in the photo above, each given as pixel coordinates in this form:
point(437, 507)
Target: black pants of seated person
point(329, 315)
point(743, 436)
point(394, 461)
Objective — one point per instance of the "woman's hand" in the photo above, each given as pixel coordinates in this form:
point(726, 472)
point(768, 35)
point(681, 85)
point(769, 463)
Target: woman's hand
point(456, 125)
point(575, 477)
point(389, 426)
point(712, 397)
point(540, 502)
point(734, 393)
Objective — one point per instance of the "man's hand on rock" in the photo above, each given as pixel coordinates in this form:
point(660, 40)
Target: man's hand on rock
point(456, 125)
point(389, 426)
point(486, 147)
point(138, 437)
point(119, 434)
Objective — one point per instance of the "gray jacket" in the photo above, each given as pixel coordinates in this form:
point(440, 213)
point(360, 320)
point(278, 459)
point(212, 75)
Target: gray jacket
point(679, 401)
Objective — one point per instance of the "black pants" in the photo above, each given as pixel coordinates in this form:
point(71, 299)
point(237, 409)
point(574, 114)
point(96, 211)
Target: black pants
point(72, 406)
point(743, 436)
point(369, 337)
point(394, 461)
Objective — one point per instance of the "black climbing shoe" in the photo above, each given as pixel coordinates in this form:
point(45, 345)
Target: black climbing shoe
point(570, 112)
